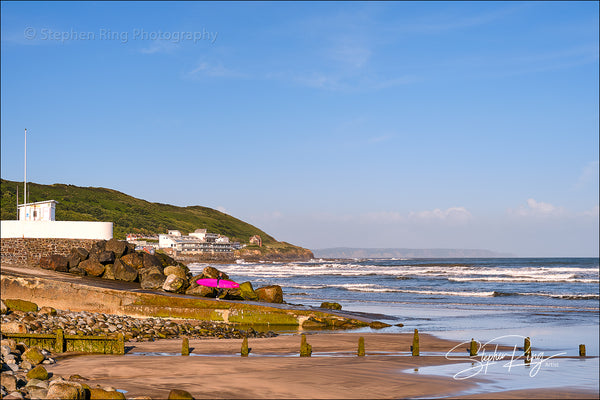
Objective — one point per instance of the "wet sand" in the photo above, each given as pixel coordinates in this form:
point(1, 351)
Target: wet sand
point(274, 370)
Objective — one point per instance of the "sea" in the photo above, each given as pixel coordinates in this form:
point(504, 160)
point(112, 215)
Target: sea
point(536, 297)
point(552, 301)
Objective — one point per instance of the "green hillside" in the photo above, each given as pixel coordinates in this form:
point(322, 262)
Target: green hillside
point(129, 215)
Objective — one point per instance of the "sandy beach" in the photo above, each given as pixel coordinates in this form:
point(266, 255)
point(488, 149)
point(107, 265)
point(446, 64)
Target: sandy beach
point(274, 370)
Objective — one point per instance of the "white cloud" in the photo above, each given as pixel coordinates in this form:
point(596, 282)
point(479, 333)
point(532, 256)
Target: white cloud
point(537, 208)
point(452, 214)
point(588, 175)
point(160, 46)
point(594, 212)
point(383, 217)
point(214, 70)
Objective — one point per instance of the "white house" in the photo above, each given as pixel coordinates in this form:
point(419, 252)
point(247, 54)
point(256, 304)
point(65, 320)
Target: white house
point(40, 211)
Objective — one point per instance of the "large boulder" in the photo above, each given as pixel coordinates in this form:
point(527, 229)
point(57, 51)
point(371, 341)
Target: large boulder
point(47, 311)
point(173, 283)
point(202, 291)
point(150, 260)
point(33, 355)
point(109, 271)
point(144, 272)
point(81, 252)
point(92, 267)
point(55, 262)
point(106, 257)
point(270, 294)
point(124, 272)
point(101, 394)
point(232, 294)
point(21, 305)
point(98, 247)
point(165, 260)
point(247, 292)
point(13, 327)
point(66, 390)
point(74, 259)
point(38, 372)
point(178, 394)
point(213, 273)
point(331, 305)
point(134, 260)
point(119, 247)
point(153, 281)
point(176, 270)
point(9, 382)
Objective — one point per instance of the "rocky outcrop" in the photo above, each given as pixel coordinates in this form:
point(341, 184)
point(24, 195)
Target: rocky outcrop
point(124, 272)
point(270, 294)
point(173, 283)
point(178, 394)
point(331, 305)
point(153, 281)
point(118, 247)
point(106, 257)
point(92, 267)
point(284, 253)
point(116, 260)
point(247, 292)
point(55, 262)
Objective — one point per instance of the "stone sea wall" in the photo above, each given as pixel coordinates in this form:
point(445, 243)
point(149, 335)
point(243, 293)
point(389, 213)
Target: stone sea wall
point(30, 250)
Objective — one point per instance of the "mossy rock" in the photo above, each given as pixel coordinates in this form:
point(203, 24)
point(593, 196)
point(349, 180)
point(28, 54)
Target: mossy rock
point(21, 305)
point(97, 394)
point(38, 372)
point(378, 325)
point(247, 291)
point(312, 323)
point(331, 305)
point(33, 355)
point(177, 394)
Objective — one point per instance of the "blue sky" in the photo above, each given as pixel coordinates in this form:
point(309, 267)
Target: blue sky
point(408, 124)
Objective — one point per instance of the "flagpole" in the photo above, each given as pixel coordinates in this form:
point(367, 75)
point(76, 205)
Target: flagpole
point(25, 179)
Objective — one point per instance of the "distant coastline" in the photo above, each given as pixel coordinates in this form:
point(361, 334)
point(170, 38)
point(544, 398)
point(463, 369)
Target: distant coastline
point(351, 252)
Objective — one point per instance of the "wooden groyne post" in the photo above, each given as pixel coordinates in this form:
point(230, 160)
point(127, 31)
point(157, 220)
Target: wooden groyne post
point(473, 348)
point(305, 348)
point(415, 346)
point(59, 345)
point(245, 351)
point(361, 347)
point(527, 349)
point(185, 347)
point(582, 350)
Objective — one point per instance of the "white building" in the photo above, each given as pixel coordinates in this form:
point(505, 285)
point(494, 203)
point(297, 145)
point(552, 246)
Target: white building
point(199, 241)
point(40, 211)
point(38, 221)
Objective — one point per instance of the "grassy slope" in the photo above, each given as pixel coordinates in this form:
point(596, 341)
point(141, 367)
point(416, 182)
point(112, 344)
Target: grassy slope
point(129, 215)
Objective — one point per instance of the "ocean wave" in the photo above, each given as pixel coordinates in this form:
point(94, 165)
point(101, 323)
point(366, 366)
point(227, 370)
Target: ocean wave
point(570, 279)
point(564, 296)
point(365, 287)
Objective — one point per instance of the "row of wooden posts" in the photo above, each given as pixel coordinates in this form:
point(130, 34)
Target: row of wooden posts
point(306, 349)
